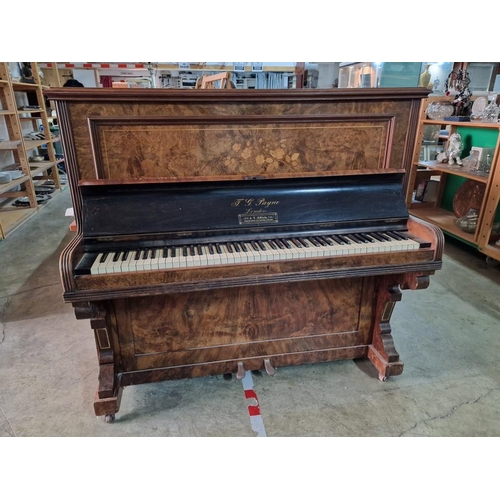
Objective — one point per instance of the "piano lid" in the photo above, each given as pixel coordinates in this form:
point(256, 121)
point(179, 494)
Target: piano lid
point(266, 205)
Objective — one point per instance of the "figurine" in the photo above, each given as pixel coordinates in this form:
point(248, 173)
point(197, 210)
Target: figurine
point(437, 82)
point(452, 154)
point(460, 82)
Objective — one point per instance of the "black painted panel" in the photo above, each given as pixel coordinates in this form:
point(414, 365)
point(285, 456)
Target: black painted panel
point(214, 207)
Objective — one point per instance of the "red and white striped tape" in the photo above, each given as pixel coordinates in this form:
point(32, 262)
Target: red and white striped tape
point(253, 405)
point(94, 65)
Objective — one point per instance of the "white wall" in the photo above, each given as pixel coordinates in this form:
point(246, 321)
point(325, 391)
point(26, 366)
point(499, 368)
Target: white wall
point(85, 77)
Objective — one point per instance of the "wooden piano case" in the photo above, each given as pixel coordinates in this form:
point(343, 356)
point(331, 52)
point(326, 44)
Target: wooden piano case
point(160, 325)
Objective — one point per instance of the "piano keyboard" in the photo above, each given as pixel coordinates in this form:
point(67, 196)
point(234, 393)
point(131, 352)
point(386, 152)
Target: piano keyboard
point(216, 254)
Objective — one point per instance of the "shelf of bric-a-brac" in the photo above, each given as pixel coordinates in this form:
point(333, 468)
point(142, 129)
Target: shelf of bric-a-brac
point(447, 179)
point(32, 160)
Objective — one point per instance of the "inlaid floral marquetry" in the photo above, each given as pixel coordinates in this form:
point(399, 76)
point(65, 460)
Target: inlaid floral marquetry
point(198, 150)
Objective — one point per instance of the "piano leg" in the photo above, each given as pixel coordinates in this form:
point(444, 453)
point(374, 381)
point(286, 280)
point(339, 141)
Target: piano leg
point(382, 352)
point(108, 395)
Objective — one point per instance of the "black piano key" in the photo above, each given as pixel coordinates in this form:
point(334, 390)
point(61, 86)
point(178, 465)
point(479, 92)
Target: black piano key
point(218, 248)
point(383, 236)
point(244, 247)
point(236, 246)
point(137, 254)
point(297, 243)
point(304, 242)
point(369, 237)
point(286, 243)
point(272, 244)
point(165, 252)
point(324, 241)
point(211, 248)
point(116, 256)
point(376, 237)
point(397, 235)
point(344, 239)
point(103, 257)
point(361, 238)
point(172, 252)
point(125, 255)
point(314, 241)
point(338, 240)
point(229, 247)
point(261, 245)
point(199, 249)
point(355, 238)
point(192, 251)
point(153, 253)
point(145, 254)
point(280, 244)
point(255, 246)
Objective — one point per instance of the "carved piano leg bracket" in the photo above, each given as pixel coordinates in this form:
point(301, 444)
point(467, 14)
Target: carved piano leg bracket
point(382, 352)
point(108, 394)
point(415, 281)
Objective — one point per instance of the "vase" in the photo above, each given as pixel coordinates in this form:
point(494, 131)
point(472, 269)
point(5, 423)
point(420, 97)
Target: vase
point(439, 110)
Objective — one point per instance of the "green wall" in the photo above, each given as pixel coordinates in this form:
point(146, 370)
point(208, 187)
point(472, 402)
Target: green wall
point(479, 137)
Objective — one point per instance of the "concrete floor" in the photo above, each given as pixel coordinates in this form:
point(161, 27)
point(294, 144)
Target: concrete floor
point(448, 336)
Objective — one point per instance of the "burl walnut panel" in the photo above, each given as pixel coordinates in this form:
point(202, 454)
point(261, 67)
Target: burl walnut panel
point(351, 137)
point(225, 324)
point(135, 149)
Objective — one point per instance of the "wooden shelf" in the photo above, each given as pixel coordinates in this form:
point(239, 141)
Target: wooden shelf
point(451, 178)
point(13, 217)
point(29, 144)
point(12, 184)
point(23, 87)
point(32, 173)
point(443, 219)
point(492, 251)
point(462, 124)
point(9, 144)
point(40, 167)
point(30, 111)
point(442, 167)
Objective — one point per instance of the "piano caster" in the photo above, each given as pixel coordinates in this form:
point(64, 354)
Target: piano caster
point(227, 376)
point(270, 370)
point(109, 418)
point(241, 371)
point(382, 378)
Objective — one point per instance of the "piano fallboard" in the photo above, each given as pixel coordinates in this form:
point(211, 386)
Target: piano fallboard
point(114, 211)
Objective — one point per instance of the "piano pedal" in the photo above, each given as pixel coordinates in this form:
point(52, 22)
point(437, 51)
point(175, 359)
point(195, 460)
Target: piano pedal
point(270, 370)
point(241, 371)
point(227, 376)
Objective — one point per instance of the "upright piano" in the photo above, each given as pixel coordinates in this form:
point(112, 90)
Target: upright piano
point(221, 231)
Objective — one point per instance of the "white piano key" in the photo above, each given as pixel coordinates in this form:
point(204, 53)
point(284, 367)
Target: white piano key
point(268, 250)
point(117, 263)
point(96, 263)
point(125, 264)
point(162, 261)
point(102, 269)
point(134, 260)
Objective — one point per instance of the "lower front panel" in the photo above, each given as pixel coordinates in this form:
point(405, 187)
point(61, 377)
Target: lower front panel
point(209, 332)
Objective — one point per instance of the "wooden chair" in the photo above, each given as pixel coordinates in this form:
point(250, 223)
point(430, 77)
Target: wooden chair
point(208, 81)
